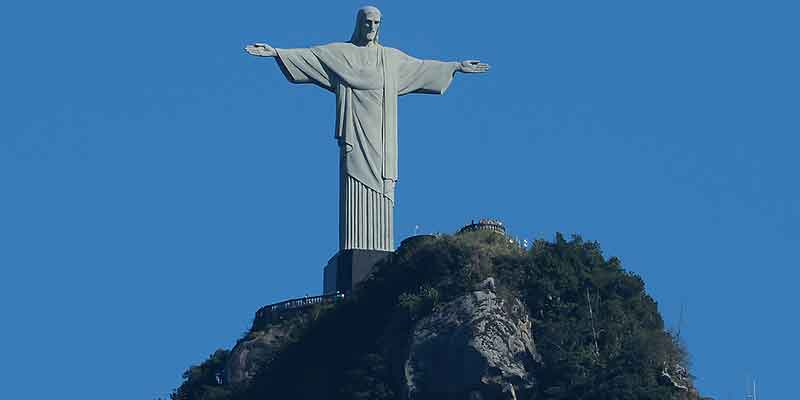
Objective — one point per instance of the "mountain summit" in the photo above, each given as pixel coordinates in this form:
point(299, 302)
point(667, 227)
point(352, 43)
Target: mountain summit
point(470, 316)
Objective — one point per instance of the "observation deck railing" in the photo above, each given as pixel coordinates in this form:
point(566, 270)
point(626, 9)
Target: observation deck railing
point(270, 311)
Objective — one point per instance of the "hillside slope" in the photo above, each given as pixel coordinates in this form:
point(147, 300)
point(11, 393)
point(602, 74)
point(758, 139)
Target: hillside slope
point(470, 316)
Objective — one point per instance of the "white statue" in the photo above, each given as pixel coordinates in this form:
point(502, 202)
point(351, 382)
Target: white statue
point(367, 78)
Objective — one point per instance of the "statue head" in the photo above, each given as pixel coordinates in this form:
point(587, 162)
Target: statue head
point(368, 23)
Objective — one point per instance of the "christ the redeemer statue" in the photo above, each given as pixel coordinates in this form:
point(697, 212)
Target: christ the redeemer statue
point(367, 78)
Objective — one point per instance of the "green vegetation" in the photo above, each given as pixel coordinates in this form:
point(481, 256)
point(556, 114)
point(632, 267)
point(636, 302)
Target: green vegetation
point(599, 334)
point(204, 381)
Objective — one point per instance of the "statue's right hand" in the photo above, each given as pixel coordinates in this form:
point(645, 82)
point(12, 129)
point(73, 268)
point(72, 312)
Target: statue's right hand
point(261, 50)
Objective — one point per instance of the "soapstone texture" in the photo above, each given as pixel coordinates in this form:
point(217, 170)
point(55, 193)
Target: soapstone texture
point(367, 78)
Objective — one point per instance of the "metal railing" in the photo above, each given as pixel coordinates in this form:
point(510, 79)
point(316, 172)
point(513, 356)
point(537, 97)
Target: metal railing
point(294, 304)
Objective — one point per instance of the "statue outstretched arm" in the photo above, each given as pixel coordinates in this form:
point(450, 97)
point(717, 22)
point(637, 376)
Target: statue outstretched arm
point(298, 65)
point(430, 76)
point(261, 50)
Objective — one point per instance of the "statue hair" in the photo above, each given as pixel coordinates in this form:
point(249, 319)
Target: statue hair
point(361, 15)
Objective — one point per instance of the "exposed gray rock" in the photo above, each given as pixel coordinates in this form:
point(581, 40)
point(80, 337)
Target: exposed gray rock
point(475, 347)
point(258, 348)
point(677, 376)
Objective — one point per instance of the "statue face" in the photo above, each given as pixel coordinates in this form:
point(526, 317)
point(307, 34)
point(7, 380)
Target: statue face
point(370, 26)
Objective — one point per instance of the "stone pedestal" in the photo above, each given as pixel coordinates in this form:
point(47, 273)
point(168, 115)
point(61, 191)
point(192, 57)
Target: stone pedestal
point(349, 267)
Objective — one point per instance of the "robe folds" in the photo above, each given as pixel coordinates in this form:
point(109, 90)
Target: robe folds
point(367, 82)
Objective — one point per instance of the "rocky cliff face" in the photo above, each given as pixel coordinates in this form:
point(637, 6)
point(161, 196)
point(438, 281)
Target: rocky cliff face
point(475, 347)
point(256, 350)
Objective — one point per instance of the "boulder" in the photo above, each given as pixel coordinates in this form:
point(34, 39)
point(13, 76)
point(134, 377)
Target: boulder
point(476, 347)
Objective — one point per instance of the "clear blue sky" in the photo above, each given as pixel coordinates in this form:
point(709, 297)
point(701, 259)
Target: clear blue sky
point(139, 146)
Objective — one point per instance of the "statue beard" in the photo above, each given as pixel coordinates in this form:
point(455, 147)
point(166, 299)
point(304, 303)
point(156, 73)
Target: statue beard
point(364, 39)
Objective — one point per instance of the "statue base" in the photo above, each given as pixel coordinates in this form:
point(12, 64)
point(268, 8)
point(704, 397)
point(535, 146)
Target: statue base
point(349, 267)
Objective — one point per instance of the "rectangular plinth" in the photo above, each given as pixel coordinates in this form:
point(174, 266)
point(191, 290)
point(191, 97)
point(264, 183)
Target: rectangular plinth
point(349, 267)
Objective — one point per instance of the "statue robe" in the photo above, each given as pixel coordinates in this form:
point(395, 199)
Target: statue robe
point(367, 82)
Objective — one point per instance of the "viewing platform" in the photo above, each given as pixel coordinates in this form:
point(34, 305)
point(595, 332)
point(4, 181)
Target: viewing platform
point(492, 225)
point(349, 267)
point(272, 312)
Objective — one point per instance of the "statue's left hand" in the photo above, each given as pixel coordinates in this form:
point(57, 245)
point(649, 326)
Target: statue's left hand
point(261, 50)
point(473, 66)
